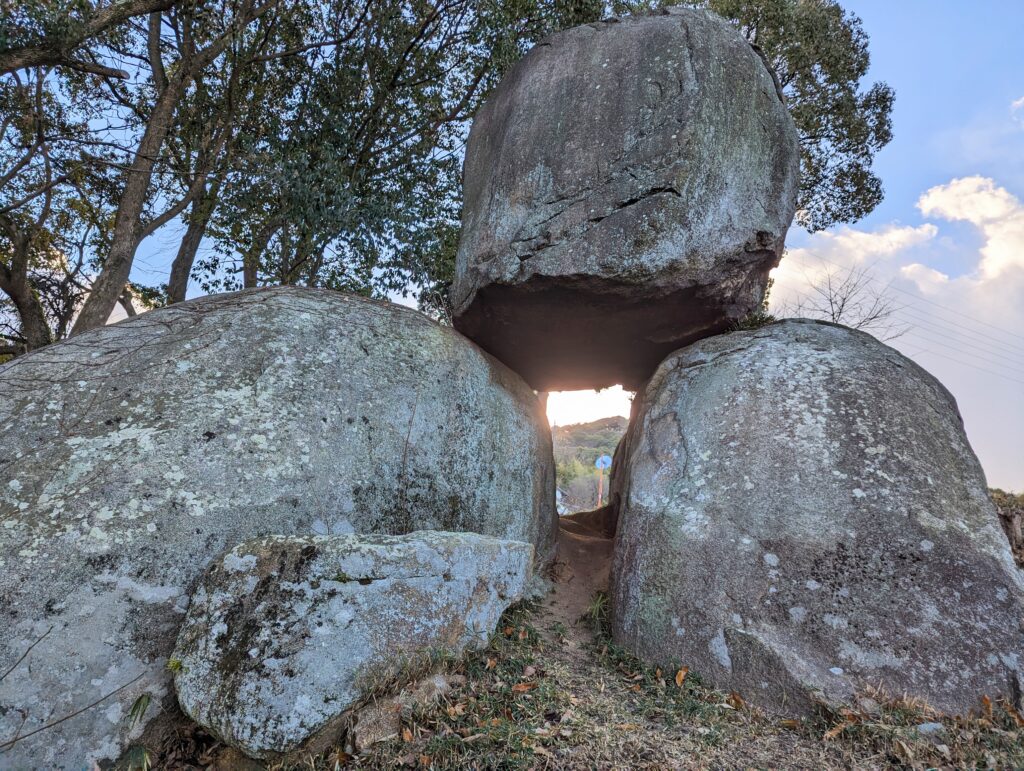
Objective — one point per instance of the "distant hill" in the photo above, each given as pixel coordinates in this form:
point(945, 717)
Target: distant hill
point(1011, 515)
point(576, 448)
point(583, 440)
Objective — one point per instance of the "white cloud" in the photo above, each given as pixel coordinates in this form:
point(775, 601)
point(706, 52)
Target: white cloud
point(844, 248)
point(996, 212)
point(928, 280)
point(1017, 110)
point(967, 324)
point(860, 246)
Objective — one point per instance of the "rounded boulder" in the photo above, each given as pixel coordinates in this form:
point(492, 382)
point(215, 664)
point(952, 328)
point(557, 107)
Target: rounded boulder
point(802, 519)
point(136, 453)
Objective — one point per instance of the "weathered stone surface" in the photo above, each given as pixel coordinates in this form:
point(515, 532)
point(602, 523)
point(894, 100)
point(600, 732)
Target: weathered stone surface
point(802, 515)
point(629, 185)
point(285, 635)
point(134, 454)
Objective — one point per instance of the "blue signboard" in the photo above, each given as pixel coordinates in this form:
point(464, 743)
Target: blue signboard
point(603, 462)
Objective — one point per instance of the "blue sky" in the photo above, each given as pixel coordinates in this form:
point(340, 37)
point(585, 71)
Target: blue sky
point(956, 65)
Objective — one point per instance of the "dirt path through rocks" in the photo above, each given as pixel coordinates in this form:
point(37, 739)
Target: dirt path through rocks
point(581, 571)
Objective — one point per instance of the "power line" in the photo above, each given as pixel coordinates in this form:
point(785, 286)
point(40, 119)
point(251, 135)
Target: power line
point(916, 298)
point(931, 340)
point(948, 326)
point(928, 338)
point(973, 366)
point(973, 338)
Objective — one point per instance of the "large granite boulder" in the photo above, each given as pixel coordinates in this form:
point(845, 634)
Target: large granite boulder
point(132, 455)
point(285, 636)
point(629, 184)
point(801, 515)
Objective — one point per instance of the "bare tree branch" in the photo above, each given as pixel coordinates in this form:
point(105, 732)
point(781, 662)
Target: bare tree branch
point(853, 298)
point(48, 53)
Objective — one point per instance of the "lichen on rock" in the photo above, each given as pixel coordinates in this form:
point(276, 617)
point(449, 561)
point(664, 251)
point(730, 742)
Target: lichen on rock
point(801, 516)
point(286, 635)
point(134, 454)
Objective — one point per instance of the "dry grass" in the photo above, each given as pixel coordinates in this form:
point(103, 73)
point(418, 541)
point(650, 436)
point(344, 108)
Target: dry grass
point(551, 695)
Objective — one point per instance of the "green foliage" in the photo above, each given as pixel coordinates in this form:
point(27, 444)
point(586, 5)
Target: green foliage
point(138, 759)
point(322, 145)
point(584, 442)
point(598, 613)
point(138, 710)
point(28, 22)
point(349, 177)
point(576, 448)
point(51, 208)
point(820, 53)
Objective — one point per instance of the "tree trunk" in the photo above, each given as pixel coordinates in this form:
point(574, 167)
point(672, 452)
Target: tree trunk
point(181, 268)
point(251, 256)
point(126, 302)
point(34, 328)
point(128, 221)
point(48, 54)
point(128, 227)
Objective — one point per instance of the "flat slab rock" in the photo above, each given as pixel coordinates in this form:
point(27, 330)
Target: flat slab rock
point(134, 454)
point(628, 186)
point(801, 516)
point(285, 635)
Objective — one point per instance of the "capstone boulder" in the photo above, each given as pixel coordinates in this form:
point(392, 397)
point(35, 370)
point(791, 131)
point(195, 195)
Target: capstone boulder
point(801, 517)
point(628, 186)
point(134, 454)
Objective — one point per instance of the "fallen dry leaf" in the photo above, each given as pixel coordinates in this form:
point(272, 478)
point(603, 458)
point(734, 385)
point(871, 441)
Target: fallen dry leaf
point(681, 676)
point(491, 664)
point(1014, 714)
point(456, 709)
point(406, 735)
point(986, 704)
point(523, 687)
point(905, 750)
point(833, 732)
